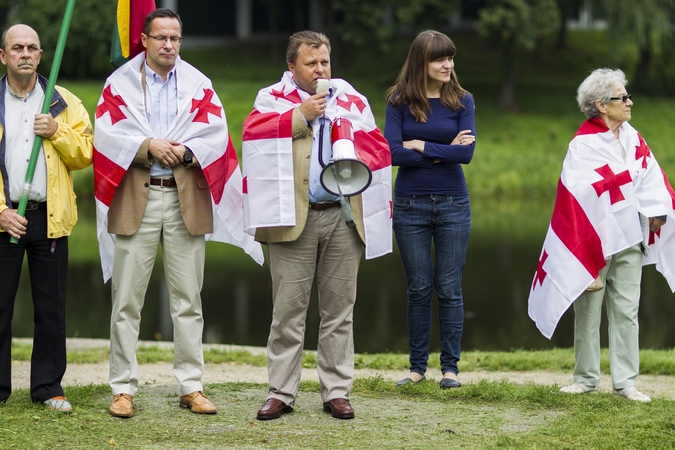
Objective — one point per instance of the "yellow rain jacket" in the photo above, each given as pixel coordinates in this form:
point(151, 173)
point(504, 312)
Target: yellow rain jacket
point(70, 148)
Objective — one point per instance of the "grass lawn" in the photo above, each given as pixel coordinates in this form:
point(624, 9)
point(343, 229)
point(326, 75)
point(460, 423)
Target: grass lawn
point(481, 415)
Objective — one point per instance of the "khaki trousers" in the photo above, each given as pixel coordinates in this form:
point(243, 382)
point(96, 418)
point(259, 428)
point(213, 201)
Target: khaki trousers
point(330, 249)
point(183, 257)
point(621, 277)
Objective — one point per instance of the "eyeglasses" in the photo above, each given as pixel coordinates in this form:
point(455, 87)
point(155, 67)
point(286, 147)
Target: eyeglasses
point(173, 39)
point(623, 98)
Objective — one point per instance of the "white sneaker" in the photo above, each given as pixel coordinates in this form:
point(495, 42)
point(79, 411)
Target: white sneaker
point(631, 393)
point(58, 403)
point(577, 388)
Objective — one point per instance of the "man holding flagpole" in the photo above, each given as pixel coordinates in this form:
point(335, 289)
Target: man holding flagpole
point(286, 140)
point(51, 211)
point(166, 173)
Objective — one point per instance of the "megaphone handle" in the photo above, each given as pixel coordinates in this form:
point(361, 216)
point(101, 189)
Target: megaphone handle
point(322, 124)
point(347, 211)
point(346, 207)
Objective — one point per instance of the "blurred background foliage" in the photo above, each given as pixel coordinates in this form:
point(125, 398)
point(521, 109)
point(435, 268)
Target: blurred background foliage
point(87, 52)
point(521, 60)
point(640, 32)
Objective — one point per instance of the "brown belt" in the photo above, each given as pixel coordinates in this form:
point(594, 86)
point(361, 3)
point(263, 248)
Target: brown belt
point(163, 182)
point(323, 205)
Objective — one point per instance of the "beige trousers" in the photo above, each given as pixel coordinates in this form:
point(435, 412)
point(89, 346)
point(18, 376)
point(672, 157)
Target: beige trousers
point(330, 249)
point(621, 296)
point(183, 257)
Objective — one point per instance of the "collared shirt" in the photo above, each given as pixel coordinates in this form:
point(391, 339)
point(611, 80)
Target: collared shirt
point(19, 138)
point(161, 100)
point(316, 192)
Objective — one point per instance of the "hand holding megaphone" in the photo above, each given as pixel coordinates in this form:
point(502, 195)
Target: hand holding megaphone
point(315, 105)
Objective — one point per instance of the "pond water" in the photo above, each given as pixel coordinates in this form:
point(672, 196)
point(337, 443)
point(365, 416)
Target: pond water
point(503, 251)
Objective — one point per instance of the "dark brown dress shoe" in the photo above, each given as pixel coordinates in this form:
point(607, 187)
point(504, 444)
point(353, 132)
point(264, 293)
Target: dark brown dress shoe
point(273, 409)
point(340, 408)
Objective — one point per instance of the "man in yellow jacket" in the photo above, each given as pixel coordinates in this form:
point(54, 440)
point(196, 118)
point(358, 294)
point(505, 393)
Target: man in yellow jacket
point(51, 212)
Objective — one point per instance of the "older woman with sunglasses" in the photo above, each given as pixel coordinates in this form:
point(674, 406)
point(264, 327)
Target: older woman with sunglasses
point(619, 192)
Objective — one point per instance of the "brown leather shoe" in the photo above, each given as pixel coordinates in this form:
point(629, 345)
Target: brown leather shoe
point(198, 403)
point(273, 408)
point(340, 408)
point(122, 406)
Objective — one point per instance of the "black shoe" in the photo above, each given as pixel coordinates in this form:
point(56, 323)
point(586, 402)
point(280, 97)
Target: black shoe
point(410, 380)
point(447, 383)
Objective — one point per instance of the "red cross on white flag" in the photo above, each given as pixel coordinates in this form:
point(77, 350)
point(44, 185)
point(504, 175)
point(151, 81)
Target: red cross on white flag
point(599, 201)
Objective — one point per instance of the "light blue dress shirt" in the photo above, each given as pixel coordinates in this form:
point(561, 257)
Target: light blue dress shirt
point(161, 99)
point(316, 192)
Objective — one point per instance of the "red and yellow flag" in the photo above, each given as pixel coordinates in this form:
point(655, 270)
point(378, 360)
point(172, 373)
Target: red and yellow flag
point(126, 39)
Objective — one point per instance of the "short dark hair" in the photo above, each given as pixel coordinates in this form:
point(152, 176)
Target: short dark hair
point(3, 39)
point(159, 13)
point(311, 38)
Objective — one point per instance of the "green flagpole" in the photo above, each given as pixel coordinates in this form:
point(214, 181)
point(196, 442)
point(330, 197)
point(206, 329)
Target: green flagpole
point(49, 92)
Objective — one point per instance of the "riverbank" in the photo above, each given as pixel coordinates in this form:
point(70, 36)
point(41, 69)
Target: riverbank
point(161, 373)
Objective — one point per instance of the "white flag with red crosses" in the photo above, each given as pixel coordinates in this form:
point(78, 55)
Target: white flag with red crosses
point(201, 125)
point(601, 195)
point(267, 158)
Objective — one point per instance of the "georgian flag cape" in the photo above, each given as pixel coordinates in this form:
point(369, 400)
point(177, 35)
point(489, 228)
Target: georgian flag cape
point(602, 207)
point(267, 157)
point(201, 125)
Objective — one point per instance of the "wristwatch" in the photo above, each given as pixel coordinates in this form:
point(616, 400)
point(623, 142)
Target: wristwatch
point(187, 157)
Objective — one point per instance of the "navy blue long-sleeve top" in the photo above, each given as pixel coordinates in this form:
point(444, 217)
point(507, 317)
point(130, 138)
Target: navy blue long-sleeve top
point(417, 173)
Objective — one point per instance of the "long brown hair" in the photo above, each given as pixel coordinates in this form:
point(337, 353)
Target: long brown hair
point(411, 84)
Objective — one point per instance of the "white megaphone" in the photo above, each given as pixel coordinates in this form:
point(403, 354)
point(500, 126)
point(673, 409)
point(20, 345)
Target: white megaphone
point(344, 174)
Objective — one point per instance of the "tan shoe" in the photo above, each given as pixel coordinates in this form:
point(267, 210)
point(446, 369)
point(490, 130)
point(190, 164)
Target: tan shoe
point(122, 406)
point(198, 403)
point(595, 285)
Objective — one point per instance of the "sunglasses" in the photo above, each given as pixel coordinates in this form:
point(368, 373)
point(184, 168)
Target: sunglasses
point(623, 98)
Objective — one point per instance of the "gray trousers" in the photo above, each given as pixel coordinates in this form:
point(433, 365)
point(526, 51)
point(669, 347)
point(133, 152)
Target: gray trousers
point(621, 295)
point(330, 249)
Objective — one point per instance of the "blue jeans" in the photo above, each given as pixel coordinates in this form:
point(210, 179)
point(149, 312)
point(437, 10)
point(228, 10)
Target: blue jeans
point(445, 220)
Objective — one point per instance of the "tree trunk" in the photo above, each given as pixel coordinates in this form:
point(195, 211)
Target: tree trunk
point(507, 90)
point(641, 82)
point(565, 14)
point(335, 41)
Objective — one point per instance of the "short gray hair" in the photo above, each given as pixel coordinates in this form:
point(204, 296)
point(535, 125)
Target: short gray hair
point(599, 85)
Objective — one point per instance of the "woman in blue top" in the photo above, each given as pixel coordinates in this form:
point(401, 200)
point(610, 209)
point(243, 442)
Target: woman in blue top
point(430, 129)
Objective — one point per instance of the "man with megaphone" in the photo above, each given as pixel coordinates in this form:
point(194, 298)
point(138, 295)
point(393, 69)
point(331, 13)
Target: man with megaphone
point(317, 187)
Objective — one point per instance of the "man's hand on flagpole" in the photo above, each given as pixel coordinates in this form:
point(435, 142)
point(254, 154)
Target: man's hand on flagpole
point(314, 106)
point(655, 223)
point(13, 223)
point(45, 125)
point(167, 152)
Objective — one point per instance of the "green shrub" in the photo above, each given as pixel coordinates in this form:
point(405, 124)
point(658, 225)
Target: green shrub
point(87, 51)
